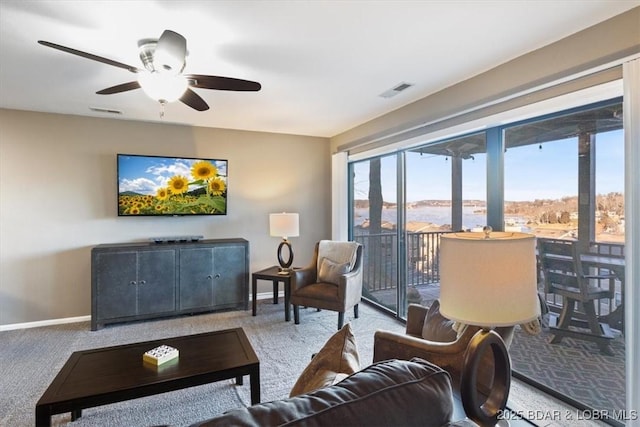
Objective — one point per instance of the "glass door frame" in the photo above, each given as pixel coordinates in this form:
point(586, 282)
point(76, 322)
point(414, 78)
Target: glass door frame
point(495, 148)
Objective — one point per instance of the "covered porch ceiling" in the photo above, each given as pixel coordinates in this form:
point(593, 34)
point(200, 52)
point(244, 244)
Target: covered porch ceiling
point(593, 121)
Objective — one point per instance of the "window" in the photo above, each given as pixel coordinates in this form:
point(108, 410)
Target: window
point(374, 222)
point(564, 179)
point(446, 184)
point(564, 175)
point(559, 175)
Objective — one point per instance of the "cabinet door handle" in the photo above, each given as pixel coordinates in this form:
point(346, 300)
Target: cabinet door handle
point(218, 276)
point(133, 282)
point(209, 277)
point(142, 282)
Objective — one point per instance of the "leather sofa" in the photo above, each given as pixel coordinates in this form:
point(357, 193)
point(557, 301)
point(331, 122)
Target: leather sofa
point(387, 393)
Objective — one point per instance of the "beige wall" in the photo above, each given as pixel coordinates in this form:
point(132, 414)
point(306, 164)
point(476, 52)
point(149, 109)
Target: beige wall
point(58, 199)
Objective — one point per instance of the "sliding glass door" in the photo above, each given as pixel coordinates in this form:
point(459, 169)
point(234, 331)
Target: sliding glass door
point(564, 179)
point(374, 224)
point(555, 176)
point(402, 203)
point(445, 190)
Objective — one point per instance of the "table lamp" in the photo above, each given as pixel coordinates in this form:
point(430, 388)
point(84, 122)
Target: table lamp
point(284, 225)
point(488, 279)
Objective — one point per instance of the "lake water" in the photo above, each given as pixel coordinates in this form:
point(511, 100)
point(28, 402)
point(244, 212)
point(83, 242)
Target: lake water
point(439, 215)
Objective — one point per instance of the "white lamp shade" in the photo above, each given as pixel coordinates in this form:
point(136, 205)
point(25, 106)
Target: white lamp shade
point(488, 282)
point(284, 225)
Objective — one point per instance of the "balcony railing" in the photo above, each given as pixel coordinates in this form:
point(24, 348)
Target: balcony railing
point(380, 267)
point(381, 259)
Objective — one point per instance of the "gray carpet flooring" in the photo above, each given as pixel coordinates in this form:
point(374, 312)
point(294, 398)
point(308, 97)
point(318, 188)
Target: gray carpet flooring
point(30, 359)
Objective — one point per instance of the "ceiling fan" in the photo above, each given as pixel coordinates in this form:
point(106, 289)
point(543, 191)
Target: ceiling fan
point(164, 60)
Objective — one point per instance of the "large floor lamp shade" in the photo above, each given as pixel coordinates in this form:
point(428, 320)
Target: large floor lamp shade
point(488, 279)
point(284, 225)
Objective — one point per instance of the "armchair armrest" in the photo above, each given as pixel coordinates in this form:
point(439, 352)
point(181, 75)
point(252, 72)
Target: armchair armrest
point(303, 277)
point(391, 345)
point(350, 287)
point(415, 319)
point(447, 355)
point(611, 278)
point(600, 276)
point(346, 276)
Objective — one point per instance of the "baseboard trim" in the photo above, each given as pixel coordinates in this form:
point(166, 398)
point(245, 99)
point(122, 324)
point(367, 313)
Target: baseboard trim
point(62, 321)
point(39, 323)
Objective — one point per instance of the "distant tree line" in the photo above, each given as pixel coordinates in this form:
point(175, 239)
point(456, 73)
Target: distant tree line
point(544, 211)
point(558, 211)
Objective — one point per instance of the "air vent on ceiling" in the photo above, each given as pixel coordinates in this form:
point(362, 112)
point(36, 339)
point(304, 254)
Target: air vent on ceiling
point(396, 90)
point(105, 110)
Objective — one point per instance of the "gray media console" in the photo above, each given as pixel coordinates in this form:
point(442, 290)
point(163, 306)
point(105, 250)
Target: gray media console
point(135, 281)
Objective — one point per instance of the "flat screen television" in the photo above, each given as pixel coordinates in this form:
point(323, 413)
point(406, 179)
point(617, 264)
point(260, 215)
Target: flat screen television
point(171, 186)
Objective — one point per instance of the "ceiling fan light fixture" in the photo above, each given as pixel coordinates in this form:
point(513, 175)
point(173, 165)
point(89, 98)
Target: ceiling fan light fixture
point(162, 79)
point(163, 87)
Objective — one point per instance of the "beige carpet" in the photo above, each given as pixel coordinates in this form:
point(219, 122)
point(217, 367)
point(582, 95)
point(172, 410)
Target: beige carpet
point(30, 359)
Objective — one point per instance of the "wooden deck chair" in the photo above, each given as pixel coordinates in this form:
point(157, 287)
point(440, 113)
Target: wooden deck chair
point(565, 275)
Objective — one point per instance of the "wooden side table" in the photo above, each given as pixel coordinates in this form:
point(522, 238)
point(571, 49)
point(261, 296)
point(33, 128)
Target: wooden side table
point(272, 274)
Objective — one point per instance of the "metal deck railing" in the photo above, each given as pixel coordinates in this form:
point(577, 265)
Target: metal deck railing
point(380, 264)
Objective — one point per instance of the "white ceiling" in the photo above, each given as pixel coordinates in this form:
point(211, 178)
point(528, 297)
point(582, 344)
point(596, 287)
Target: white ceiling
point(322, 64)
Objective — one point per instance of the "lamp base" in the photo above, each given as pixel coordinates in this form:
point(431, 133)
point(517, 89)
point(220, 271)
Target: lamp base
point(284, 265)
point(486, 413)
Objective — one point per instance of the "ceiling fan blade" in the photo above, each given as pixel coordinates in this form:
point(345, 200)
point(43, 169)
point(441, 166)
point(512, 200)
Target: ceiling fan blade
point(170, 53)
point(89, 56)
point(119, 88)
point(222, 83)
point(194, 100)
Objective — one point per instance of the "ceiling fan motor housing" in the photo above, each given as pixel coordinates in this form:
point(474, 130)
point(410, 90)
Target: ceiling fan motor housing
point(147, 48)
point(166, 54)
point(171, 52)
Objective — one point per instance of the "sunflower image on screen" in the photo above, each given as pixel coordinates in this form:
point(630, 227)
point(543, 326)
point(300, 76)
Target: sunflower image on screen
point(154, 185)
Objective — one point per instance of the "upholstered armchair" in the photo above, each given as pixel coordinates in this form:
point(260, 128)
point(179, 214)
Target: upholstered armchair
point(432, 337)
point(331, 281)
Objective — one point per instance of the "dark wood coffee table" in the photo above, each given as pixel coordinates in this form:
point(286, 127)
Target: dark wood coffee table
point(113, 374)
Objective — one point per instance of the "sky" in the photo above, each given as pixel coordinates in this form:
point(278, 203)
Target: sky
point(145, 174)
point(531, 172)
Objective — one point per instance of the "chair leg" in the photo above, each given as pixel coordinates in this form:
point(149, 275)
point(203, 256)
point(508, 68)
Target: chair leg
point(296, 314)
point(599, 333)
point(596, 328)
point(590, 311)
point(340, 319)
point(355, 311)
point(568, 306)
